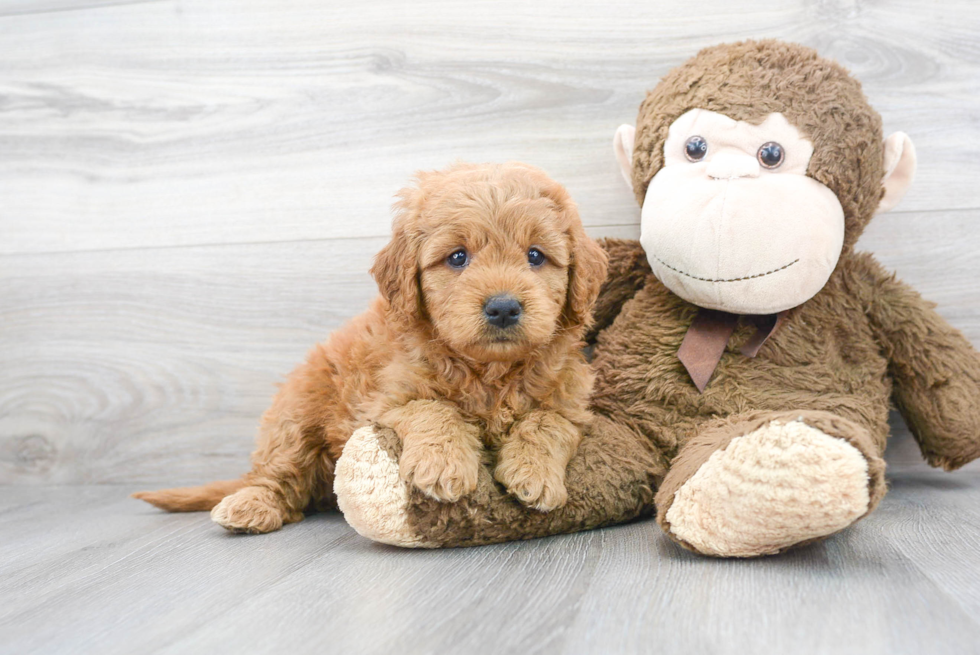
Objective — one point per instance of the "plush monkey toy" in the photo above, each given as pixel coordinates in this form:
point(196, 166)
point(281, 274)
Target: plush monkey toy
point(746, 356)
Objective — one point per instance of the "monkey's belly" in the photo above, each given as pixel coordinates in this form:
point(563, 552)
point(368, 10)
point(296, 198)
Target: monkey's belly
point(817, 360)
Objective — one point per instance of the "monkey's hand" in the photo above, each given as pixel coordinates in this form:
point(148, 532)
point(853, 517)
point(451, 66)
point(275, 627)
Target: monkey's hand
point(628, 271)
point(935, 369)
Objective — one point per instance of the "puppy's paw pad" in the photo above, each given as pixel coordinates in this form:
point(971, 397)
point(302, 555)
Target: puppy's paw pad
point(540, 490)
point(247, 512)
point(445, 474)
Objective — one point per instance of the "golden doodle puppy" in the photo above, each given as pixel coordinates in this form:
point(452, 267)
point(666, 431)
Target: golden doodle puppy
point(474, 345)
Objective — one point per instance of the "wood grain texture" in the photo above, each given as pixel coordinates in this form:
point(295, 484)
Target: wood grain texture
point(154, 365)
point(158, 363)
point(87, 570)
point(173, 123)
point(191, 195)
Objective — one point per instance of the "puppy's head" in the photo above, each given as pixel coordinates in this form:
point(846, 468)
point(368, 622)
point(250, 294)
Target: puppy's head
point(493, 258)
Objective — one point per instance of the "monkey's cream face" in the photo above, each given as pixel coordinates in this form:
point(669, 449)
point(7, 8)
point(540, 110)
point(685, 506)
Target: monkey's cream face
point(732, 222)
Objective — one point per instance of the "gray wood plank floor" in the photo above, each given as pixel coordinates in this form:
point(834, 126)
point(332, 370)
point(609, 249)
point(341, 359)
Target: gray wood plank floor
point(86, 570)
point(190, 196)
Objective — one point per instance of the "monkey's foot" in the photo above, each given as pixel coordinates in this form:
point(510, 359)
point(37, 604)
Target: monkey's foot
point(768, 483)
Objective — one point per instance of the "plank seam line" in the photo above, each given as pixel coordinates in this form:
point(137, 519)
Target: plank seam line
point(362, 237)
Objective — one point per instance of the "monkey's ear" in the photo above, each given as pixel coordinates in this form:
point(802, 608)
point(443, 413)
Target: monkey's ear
point(623, 146)
point(899, 169)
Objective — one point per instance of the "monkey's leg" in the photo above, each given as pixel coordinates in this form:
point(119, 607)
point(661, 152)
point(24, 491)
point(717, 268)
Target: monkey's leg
point(762, 482)
point(609, 480)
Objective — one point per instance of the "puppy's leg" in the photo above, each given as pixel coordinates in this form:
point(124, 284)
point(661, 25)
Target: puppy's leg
point(532, 460)
point(440, 451)
point(290, 466)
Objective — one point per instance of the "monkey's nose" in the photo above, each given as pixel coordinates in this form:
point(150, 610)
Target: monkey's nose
point(502, 311)
point(726, 166)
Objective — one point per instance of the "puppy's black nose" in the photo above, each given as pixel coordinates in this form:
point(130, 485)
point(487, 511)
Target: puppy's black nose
point(502, 311)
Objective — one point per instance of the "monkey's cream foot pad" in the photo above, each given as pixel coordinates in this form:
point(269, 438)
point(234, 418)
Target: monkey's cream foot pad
point(371, 494)
point(780, 485)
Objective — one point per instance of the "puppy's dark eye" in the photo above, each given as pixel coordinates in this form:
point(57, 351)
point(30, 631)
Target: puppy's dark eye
point(771, 155)
point(535, 257)
point(458, 259)
point(695, 149)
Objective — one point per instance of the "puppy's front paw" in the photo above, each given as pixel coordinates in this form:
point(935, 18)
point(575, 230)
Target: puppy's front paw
point(252, 510)
point(531, 477)
point(446, 471)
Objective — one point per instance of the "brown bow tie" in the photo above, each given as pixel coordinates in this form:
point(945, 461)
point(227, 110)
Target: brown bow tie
point(708, 336)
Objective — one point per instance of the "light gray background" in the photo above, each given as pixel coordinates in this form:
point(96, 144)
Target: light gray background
point(190, 197)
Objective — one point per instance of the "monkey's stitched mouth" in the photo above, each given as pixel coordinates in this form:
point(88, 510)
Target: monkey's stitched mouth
point(732, 279)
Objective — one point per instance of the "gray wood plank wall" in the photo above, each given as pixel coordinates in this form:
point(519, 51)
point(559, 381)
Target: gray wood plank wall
point(191, 192)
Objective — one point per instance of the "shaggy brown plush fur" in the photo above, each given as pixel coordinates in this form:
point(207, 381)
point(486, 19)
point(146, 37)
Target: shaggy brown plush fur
point(425, 361)
point(834, 364)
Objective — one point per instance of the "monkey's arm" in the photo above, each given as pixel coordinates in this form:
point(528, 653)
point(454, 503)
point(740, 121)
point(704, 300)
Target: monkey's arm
point(628, 271)
point(610, 479)
point(935, 369)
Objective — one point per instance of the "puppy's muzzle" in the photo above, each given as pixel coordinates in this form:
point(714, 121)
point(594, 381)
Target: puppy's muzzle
point(502, 311)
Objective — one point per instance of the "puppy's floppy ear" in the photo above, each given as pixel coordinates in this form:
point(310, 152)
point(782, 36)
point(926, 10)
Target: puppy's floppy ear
point(586, 273)
point(587, 264)
point(396, 268)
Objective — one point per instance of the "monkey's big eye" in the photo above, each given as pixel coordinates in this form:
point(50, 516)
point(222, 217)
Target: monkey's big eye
point(458, 259)
point(770, 155)
point(535, 257)
point(696, 148)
